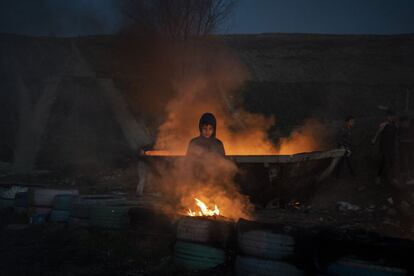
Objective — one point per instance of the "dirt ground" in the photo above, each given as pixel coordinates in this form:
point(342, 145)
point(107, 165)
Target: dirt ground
point(59, 249)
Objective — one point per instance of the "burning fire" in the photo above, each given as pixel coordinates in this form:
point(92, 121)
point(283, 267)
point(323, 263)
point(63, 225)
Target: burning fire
point(204, 210)
point(253, 142)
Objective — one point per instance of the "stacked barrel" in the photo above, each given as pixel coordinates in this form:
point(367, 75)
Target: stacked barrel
point(264, 251)
point(40, 205)
point(202, 242)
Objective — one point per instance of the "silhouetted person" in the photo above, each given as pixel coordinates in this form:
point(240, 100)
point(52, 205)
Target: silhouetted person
point(345, 142)
point(387, 136)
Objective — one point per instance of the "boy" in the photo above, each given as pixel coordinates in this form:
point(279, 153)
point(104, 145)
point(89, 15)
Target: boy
point(207, 141)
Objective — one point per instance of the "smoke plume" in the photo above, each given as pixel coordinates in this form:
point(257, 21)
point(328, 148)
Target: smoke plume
point(207, 77)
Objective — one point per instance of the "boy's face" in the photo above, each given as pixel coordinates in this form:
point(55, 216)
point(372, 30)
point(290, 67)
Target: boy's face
point(207, 131)
point(350, 123)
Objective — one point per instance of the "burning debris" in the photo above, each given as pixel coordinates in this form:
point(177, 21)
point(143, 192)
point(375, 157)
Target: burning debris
point(206, 188)
point(204, 210)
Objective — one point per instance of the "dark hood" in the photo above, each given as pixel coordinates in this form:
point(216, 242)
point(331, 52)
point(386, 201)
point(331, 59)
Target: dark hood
point(208, 119)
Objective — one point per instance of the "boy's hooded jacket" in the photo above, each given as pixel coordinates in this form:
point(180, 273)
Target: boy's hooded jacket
point(202, 144)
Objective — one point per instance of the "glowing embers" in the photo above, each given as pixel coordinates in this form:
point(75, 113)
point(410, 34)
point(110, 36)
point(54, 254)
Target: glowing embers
point(204, 210)
point(164, 153)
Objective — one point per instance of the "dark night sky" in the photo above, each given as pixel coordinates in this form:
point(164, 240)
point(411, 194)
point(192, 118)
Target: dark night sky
point(83, 17)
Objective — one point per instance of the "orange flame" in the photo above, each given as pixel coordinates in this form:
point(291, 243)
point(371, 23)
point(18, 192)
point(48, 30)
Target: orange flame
point(306, 138)
point(204, 210)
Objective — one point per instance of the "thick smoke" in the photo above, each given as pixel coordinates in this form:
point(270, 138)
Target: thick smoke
point(205, 78)
point(208, 77)
point(311, 136)
point(209, 178)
